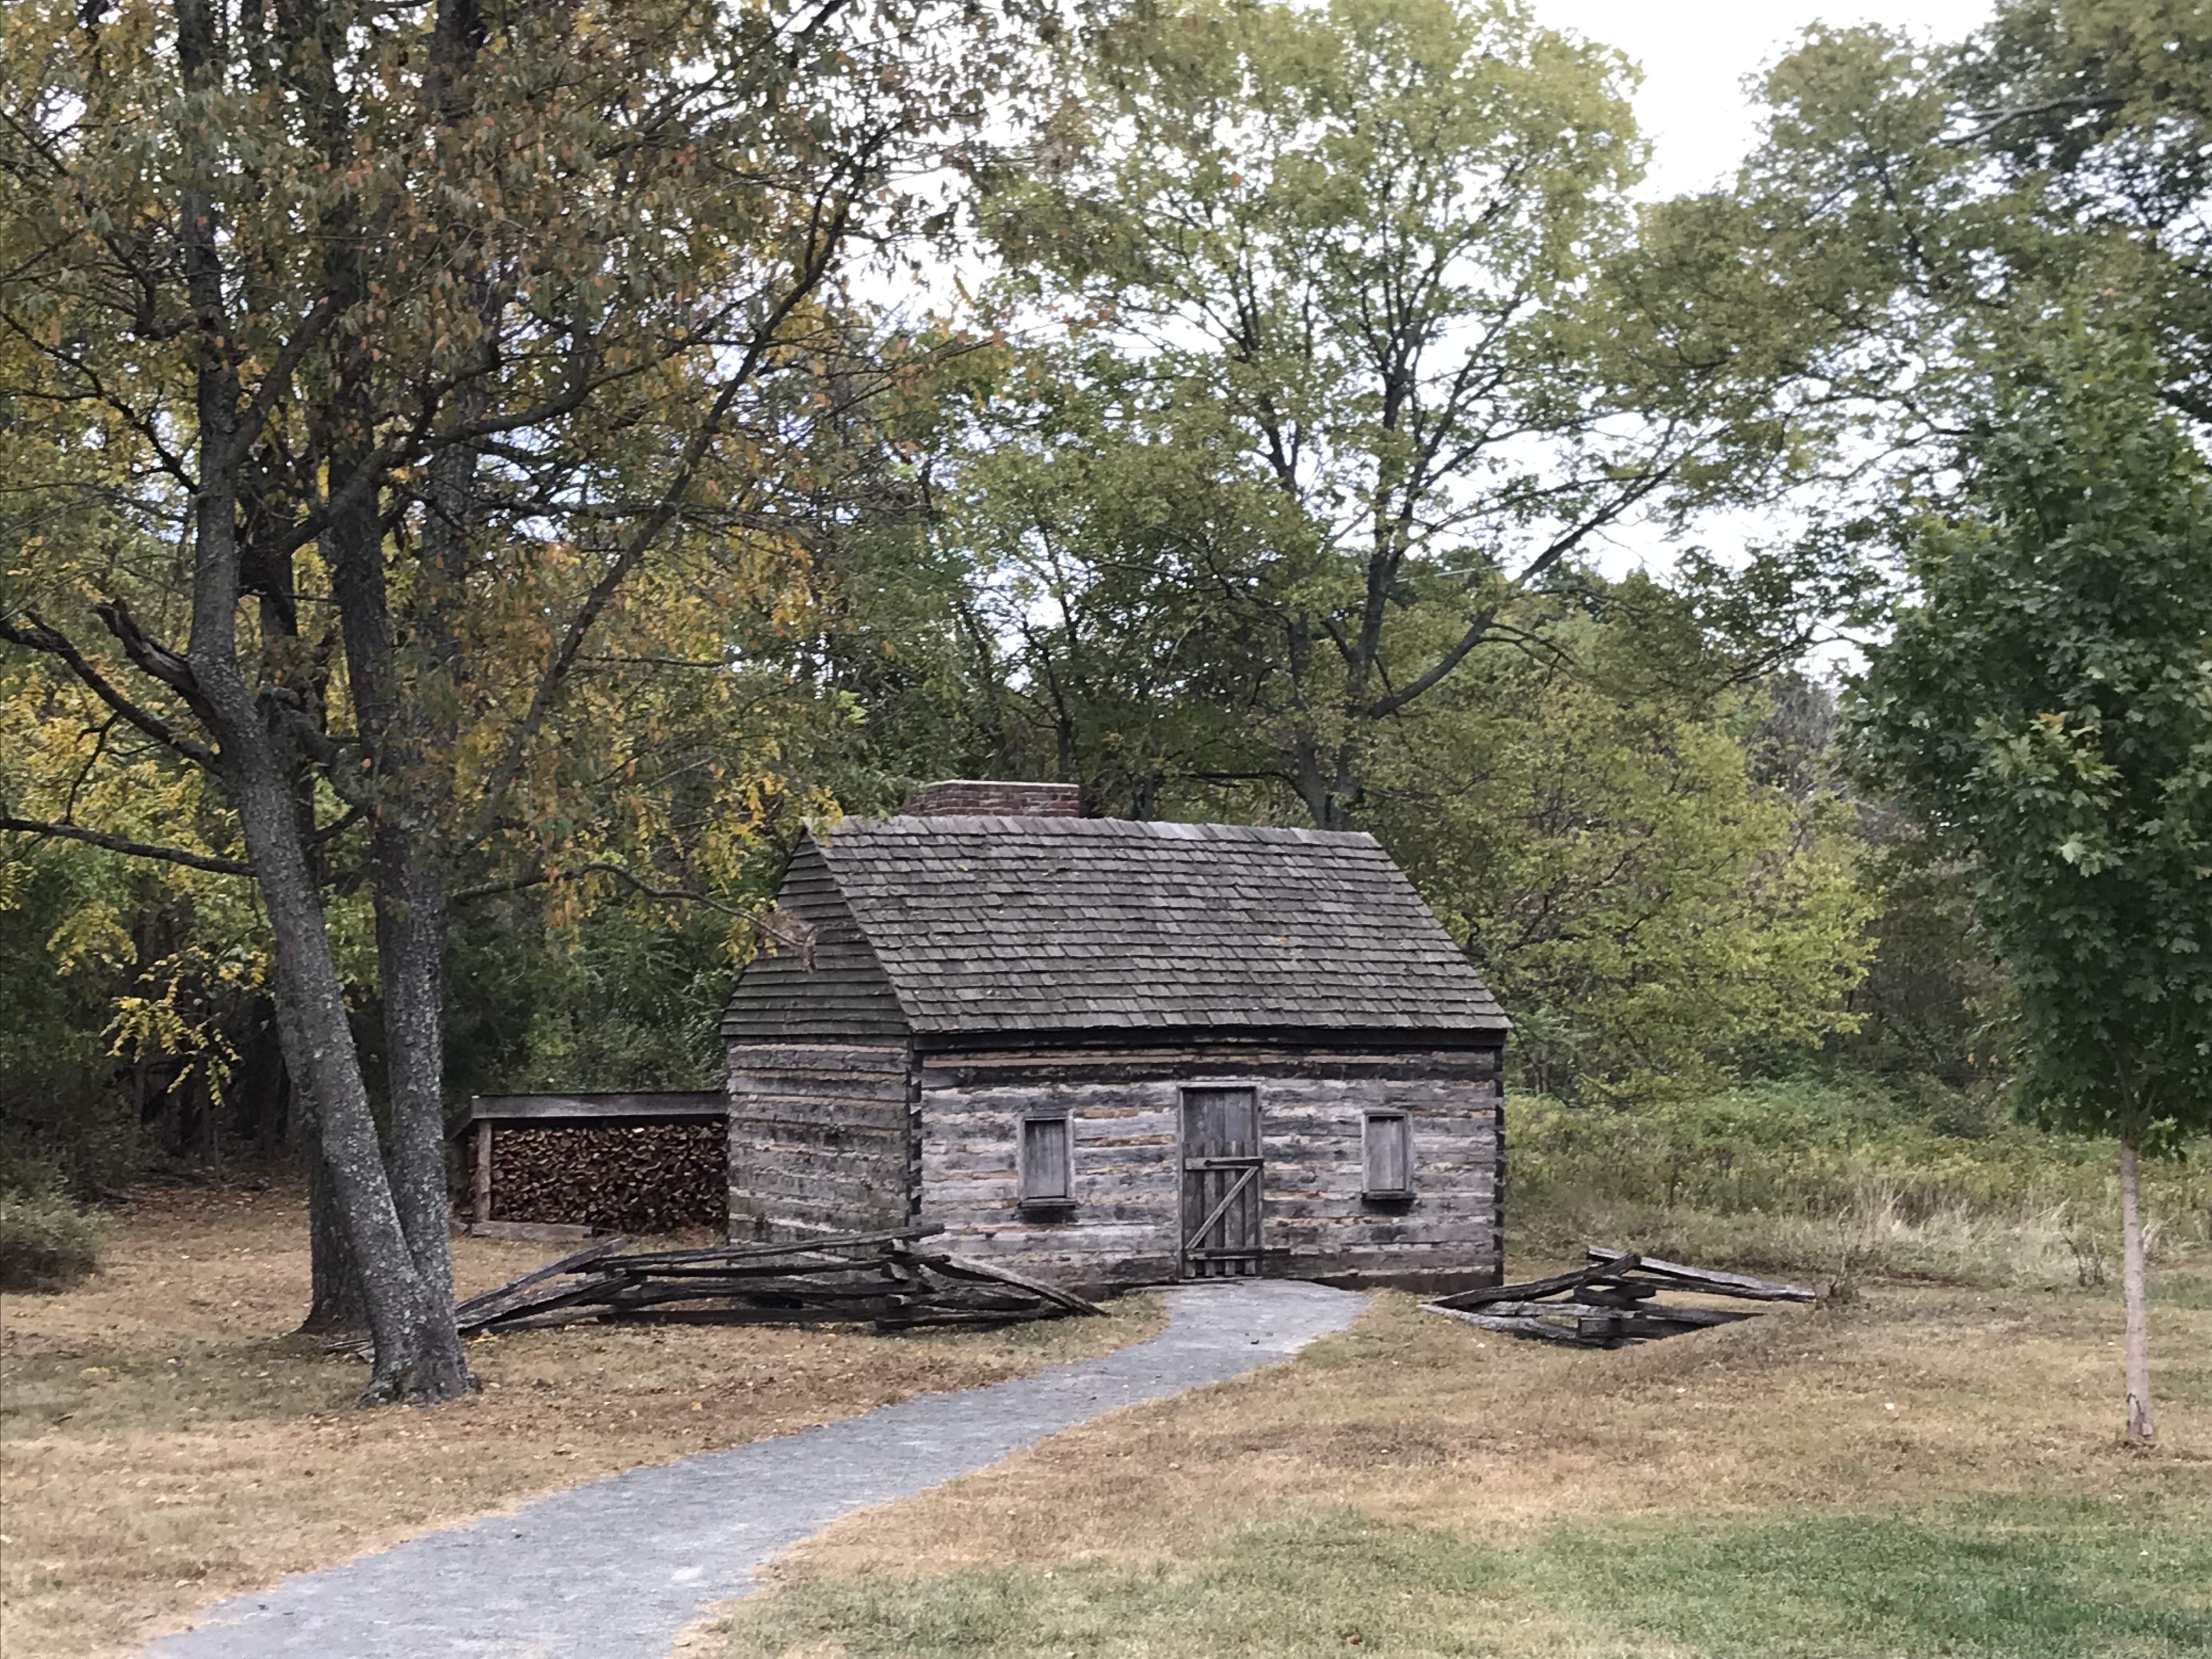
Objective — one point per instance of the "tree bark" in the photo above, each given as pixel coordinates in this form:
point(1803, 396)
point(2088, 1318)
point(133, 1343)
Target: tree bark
point(412, 728)
point(411, 944)
point(418, 1354)
point(2139, 1430)
point(336, 1300)
point(407, 877)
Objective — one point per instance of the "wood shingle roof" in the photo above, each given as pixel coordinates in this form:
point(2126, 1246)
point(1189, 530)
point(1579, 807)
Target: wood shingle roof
point(966, 925)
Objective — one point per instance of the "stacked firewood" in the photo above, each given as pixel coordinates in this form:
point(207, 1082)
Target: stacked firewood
point(1613, 1302)
point(886, 1279)
point(635, 1178)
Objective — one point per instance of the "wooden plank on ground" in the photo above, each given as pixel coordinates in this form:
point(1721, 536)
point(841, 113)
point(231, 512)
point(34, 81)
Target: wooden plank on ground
point(1543, 1329)
point(824, 1242)
point(1686, 1317)
point(1707, 1279)
point(963, 1267)
point(567, 1264)
point(1612, 1267)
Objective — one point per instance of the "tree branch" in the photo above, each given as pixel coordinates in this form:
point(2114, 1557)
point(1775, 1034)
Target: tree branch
point(1994, 121)
point(279, 376)
point(824, 237)
point(775, 924)
point(40, 637)
point(139, 849)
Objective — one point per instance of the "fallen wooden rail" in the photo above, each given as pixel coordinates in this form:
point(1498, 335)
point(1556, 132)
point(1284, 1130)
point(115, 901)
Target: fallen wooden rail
point(880, 1279)
point(1611, 1304)
point(1706, 1280)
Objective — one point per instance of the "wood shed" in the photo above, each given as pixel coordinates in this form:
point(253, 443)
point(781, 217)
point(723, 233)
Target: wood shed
point(1118, 1052)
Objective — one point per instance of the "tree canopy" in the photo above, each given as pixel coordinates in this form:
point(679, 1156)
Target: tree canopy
point(2047, 702)
point(1356, 297)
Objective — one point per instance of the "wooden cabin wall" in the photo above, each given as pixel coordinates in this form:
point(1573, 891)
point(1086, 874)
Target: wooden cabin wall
point(819, 1139)
point(1125, 1113)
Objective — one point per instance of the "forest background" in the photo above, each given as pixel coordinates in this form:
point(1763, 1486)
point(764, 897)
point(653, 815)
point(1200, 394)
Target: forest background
point(1262, 474)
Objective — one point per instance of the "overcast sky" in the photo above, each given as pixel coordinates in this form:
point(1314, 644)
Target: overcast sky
point(1695, 54)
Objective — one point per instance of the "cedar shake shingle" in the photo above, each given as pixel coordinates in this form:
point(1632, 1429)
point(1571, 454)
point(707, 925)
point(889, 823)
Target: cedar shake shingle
point(965, 926)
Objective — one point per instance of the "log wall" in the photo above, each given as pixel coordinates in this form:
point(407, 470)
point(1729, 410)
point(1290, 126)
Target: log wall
point(1125, 1111)
point(819, 1139)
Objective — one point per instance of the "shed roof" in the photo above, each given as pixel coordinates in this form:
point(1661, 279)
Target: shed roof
point(988, 924)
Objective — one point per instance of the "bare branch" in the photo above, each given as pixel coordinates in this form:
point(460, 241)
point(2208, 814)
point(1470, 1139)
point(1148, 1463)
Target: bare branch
point(279, 376)
point(138, 849)
point(824, 236)
point(1997, 120)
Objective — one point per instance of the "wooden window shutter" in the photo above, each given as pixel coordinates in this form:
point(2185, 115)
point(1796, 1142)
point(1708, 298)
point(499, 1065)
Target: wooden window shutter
point(1387, 1142)
point(1046, 1165)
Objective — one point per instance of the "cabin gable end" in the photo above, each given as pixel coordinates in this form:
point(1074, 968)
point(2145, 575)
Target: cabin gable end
point(821, 981)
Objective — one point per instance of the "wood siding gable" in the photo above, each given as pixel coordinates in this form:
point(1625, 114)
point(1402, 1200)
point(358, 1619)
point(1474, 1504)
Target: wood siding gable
point(845, 994)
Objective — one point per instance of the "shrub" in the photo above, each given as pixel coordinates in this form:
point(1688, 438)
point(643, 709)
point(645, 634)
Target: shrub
point(46, 1242)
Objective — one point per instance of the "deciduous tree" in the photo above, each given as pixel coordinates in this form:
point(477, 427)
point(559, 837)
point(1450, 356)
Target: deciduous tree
point(1377, 260)
point(2046, 704)
point(435, 340)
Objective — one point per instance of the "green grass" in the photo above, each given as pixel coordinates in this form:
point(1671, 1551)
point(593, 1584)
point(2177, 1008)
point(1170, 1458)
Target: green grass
point(2016, 1579)
point(2181, 1291)
point(2010, 1579)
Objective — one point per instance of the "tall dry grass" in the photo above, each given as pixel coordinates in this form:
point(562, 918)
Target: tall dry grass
point(1837, 1182)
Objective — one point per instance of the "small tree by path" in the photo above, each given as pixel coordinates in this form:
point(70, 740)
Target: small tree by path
point(2048, 702)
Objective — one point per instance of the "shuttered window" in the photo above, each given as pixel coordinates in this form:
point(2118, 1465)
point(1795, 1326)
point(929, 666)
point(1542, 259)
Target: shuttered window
point(1389, 1148)
point(1046, 1165)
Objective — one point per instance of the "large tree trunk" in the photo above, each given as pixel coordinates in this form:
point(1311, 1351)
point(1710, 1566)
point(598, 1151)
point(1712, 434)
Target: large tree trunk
point(252, 716)
point(409, 721)
point(418, 1354)
point(336, 1299)
point(411, 942)
point(408, 875)
point(2140, 1432)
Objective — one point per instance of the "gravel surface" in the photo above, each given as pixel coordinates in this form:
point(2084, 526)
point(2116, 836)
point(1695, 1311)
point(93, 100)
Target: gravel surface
point(615, 1568)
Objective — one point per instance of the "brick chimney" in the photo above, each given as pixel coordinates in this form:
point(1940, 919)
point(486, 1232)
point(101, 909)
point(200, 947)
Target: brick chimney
point(969, 797)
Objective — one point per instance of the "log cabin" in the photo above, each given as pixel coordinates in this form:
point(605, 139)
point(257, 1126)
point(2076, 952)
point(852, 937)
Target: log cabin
point(1116, 1052)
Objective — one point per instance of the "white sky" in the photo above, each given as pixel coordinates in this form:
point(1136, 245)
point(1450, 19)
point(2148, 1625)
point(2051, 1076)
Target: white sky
point(1695, 54)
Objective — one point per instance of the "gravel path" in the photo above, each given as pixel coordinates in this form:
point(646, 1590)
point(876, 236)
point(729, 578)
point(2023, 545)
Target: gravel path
point(615, 1568)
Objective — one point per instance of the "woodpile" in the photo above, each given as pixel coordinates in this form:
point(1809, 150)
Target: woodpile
point(885, 1279)
point(1613, 1302)
point(630, 1178)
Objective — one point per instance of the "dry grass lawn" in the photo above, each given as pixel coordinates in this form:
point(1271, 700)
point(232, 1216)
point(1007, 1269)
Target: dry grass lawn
point(165, 1446)
point(1925, 1470)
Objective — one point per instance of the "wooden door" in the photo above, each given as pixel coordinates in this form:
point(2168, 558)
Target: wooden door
point(1220, 1183)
